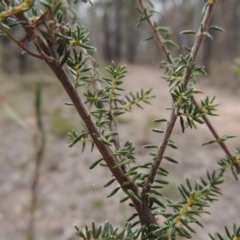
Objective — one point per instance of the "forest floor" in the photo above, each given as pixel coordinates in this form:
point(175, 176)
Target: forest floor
point(71, 195)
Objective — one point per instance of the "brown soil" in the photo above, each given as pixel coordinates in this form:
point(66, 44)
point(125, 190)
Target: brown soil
point(69, 194)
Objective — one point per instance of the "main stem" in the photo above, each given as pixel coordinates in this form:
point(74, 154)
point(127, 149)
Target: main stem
point(145, 215)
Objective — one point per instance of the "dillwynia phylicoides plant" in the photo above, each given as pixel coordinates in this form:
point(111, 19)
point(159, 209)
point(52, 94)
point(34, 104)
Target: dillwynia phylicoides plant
point(64, 46)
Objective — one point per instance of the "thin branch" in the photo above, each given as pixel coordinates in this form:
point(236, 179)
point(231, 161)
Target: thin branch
point(10, 36)
point(147, 218)
point(186, 77)
point(44, 55)
point(93, 130)
point(157, 35)
point(221, 143)
point(112, 124)
point(145, 214)
point(197, 43)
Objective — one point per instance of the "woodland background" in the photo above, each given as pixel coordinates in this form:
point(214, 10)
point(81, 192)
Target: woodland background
point(114, 33)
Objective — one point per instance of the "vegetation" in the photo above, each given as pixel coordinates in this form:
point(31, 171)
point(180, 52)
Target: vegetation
point(236, 68)
point(65, 47)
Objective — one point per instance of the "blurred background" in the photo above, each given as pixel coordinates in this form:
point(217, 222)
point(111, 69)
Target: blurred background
point(68, 194)
point(114, 32)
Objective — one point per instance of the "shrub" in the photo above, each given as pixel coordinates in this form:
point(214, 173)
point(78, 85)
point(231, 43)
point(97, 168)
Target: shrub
point(60, 44)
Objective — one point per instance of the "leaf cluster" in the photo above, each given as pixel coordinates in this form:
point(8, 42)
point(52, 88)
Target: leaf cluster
point(108, 232)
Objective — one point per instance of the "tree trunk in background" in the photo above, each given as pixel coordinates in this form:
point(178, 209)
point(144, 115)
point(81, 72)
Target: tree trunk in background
point(132, 38)
point(107, 49)
point(227, 16)
point(118, 29)
point(235, 27)
point(22, 63)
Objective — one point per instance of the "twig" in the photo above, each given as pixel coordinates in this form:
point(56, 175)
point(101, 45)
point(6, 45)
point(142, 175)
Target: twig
point(146, 216)
point(112, 124)
point(186, 77)
point(44, 55)
point(157, 35)
point(161, 150)
point(9, 35)
point(167, 54)
point(221, 143)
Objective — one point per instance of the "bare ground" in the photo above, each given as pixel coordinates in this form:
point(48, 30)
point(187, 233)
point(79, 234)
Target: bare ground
point(70, 194)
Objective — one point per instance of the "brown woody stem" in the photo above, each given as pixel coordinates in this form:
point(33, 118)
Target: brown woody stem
point(196, 46)
point(112, 124)
point(186, 78)
point(146, 216)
